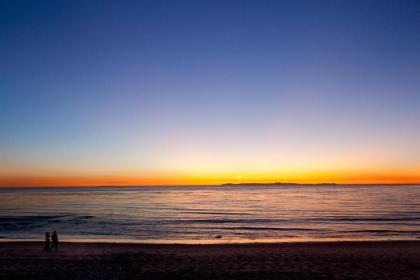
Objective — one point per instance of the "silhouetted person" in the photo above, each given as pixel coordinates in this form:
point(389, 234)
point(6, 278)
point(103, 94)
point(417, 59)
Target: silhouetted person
point(54, 241)
point(47, 242)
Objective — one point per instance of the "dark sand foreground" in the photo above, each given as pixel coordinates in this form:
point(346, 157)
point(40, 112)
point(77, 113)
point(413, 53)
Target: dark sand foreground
point(338, 260)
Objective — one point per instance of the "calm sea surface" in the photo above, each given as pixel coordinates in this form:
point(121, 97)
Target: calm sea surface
point(199, 214)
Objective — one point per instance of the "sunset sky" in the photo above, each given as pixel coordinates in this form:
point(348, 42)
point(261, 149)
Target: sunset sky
point(209, 92)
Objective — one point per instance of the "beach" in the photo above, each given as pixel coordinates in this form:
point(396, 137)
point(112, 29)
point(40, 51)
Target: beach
point(304, 260)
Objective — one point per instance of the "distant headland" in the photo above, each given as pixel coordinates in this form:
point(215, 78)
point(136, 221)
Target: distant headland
point(277, 184)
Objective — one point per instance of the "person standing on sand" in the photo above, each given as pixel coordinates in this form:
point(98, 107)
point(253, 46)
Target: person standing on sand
point(47, 242)
point(54, 241)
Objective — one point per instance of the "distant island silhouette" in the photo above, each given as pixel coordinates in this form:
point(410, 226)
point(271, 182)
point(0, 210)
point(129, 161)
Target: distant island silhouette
point(277, 184)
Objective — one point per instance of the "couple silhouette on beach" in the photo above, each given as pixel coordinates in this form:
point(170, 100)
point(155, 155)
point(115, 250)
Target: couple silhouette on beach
point(51, 241)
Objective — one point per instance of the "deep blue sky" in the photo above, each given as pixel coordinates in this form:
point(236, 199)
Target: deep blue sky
point(223, 87)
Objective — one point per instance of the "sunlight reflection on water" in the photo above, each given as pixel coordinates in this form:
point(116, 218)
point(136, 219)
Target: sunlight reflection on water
point(190, 214)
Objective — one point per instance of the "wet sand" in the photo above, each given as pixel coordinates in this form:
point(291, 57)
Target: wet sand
point(329, 260)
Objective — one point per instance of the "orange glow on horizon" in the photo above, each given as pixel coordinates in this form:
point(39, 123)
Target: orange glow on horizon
point(209, 179)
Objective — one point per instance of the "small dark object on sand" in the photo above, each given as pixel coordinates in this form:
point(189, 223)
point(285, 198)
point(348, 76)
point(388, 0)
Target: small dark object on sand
point(219, 236)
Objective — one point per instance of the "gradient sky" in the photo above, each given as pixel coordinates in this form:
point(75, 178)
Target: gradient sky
point(206, 92)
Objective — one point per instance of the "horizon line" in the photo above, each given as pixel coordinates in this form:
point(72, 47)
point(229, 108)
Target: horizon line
point(221, 185)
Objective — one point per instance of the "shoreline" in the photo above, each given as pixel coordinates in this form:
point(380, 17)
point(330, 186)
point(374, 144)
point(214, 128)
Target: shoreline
point(302, 260)
point(210, 242)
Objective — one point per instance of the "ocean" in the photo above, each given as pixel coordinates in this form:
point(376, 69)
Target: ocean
point(212, 214)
